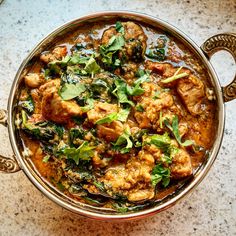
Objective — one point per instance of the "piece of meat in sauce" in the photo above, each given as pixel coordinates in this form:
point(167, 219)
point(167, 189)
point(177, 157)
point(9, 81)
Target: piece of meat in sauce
point(53, 107)
point(192, 92)
point(181, 165)
point(164, 69)
point(135, 40)
point(151, 105)
point(57, 54)
point(132, 179)
point(190, 88)
point(109, 131)
point(33, 80)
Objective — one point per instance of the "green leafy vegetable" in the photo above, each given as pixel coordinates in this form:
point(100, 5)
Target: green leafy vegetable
point(115, 43)
point(160, 174)
point(137, 137)
point(163, 142)
point(28, 104)
point(139, 108)
point(41, 133)
point(92, 67)
point(175, 129)
point(124, 143)
point(120, 27)
point(121, 116)
point(99, 185)
point(89, 106)
point(109, 52)
point(136, 89)
point(107, 119)
point(156, 53)
point(76, 135)
point(121, 92)
point(70, 91)
point(83, 152)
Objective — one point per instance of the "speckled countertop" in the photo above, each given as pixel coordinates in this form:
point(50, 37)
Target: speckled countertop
point(209, 210)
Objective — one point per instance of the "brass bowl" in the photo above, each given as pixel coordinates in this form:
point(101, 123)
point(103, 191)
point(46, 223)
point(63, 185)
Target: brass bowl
point(225, 41)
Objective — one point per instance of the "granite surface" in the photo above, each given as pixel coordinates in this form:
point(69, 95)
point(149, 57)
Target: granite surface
point(209, 210)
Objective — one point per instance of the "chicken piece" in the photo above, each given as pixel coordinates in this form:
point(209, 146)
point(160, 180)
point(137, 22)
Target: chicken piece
point(110, 131)
point(57, 54)
point(152, 108)
point(100, 110)
point(132, 179)
point(135, 40)
point(191, 91)
point(181, 165)
point(53, 107)
point(164, 69)
point(141, 194)
point(33, 80)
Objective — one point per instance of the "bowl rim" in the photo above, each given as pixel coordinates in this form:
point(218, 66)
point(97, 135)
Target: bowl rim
point(147, 212)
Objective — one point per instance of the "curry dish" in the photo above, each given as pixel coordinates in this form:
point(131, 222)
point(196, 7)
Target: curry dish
point(116, 115)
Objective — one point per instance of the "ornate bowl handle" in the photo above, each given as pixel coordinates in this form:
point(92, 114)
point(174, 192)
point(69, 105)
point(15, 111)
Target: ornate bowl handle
point(225, 41)
point(7, 165)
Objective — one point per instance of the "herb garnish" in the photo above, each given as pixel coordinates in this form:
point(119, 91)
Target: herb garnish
point(70, 91)
point(121, 116)
point(83, 152)
point(160, 174)
point(175, 129)
point(124, 143)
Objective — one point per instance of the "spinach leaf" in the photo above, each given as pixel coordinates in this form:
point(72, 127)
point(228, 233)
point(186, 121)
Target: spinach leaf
point(120, 27)
point(158, 54)
point(160, 174)
point(175, 129)
point(83, 152)
point(139, 108)
point(70, 91)
point(100, 186)
point(124, 143)
point(28, 104)
point(41, 133)
point(76, 134)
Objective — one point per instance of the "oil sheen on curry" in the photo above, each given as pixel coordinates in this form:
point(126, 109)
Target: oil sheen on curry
point(116, 115)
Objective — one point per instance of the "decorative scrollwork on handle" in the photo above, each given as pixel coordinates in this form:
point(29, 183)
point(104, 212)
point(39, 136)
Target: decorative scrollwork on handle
point(226, 41)
point(8, 165)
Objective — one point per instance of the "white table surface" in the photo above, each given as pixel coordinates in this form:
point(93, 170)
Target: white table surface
point(209, 210)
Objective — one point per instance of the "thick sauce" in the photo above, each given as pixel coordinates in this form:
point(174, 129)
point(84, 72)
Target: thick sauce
point(117, 115)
